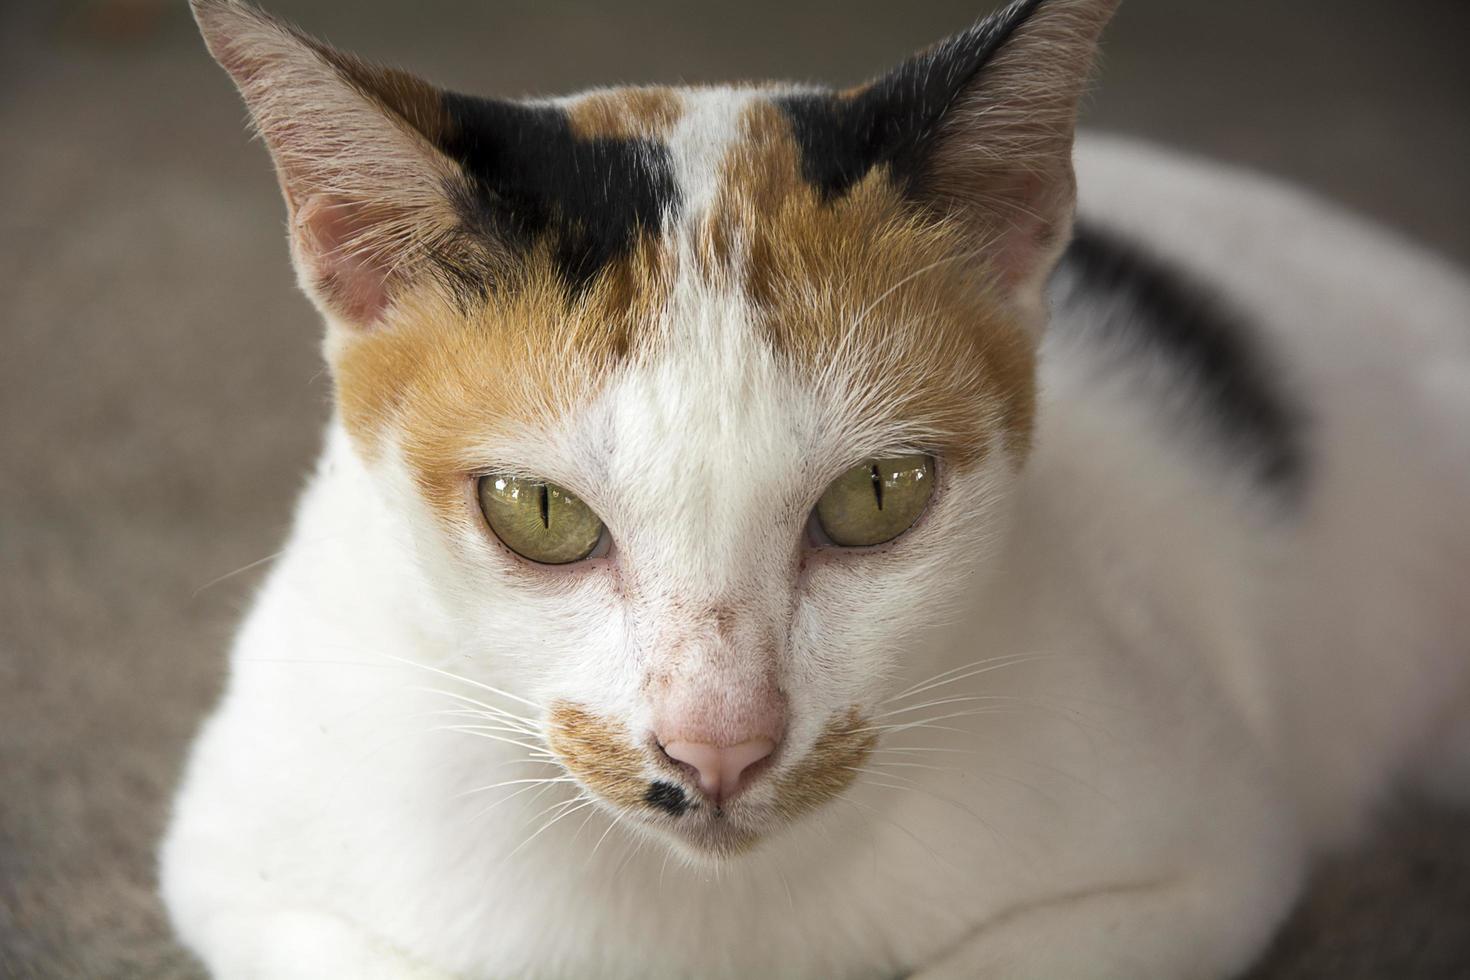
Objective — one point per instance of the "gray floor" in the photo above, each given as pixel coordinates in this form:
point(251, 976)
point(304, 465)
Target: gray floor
point(161, 394)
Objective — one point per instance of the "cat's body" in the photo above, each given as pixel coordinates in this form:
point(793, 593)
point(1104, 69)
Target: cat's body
point(1214, 620)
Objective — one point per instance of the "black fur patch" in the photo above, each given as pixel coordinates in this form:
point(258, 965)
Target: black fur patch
point(533, 178)
point(667, 797)
point(1120, 294)
point(890, 120)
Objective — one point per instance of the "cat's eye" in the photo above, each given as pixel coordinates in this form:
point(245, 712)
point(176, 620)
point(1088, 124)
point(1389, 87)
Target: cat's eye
point(540, 521)
point(876, 500)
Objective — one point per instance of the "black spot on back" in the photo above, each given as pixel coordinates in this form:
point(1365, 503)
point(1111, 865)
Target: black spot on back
point(666, 797)
point(1120, 295)
point(532, 178)
point(889, 121)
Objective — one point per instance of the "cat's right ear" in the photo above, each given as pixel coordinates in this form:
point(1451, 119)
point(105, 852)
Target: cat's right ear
point(371, 197)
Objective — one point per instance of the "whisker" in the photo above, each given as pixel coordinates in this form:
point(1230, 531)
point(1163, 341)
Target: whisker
point(634, 851)
point(872, 812)
point(490, 708)
point(551, 761)
point(911, 788)
point(512, 782)
point(612, 822)
point(940, 702)
point(239, 571)
point(923, 725)
point(463, 680)
point(1030, 703)
point(984, 661)
point(558, 805)
point(870, 772)
point(583, 825)
point(475, 714)
point(916, 750)
point(585, 802)
point(969, 670)
point(507, 798)
point(472, 730)
point(920, 765)
point(923, 749)
point(488, 727)
point(786, 886)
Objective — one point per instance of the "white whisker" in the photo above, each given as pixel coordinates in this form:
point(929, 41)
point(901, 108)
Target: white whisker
point(924, 749)
point(633, 852)
point(507, 798)
point(1031, 704)
point(920, 765)
point(484, 726)
point(463, 680)
point(489, 708)
point(940, 702)
point(239, 571)
point(471, 730)
point(965, 671)
point(513, 782)
point(910, 787)
point(580, 802)
point(872, 812)
point(583, 825)
point(612, 823)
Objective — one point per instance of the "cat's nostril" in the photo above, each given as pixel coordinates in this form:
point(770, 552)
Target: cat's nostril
point(720, 767)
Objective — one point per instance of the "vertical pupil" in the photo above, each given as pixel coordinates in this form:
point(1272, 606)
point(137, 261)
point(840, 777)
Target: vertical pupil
point(877, 485)
point(545, 508)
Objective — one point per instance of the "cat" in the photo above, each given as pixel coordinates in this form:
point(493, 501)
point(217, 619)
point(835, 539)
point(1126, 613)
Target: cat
point(761, 533)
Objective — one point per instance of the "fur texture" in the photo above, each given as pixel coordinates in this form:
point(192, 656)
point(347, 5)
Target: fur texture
point(1089, 717)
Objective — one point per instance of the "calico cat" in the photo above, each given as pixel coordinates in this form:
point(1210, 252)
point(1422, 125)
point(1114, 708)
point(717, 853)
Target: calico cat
point(760, 534)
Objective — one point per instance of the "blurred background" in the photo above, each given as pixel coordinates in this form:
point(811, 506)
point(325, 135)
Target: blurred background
point(161, 391)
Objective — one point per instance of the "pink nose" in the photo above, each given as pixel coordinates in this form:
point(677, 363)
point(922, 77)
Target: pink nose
point(720, 768)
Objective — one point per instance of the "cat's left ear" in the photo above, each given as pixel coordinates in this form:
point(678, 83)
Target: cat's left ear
point(371, 196)
point(997, 151)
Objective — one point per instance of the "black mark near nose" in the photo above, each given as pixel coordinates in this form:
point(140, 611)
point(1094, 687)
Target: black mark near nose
point(667, 797)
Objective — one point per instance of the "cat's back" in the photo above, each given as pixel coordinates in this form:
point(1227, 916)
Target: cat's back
point(1336, 300)
point(1301, 382)
point(1311, 347)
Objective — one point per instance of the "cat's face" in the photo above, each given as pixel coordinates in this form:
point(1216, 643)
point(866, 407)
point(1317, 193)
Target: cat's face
point(628, 365)
point(767, 343)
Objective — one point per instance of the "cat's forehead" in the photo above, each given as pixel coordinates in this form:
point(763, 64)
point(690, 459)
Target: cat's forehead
point(597, 179)
point(679, 248)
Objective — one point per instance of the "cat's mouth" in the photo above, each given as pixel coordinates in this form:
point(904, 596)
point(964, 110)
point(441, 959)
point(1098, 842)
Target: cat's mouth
point(607, 762)
point(700, 826)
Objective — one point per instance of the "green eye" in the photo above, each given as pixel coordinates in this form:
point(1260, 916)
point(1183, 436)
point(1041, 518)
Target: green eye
point(539, 520)
point(876, 501)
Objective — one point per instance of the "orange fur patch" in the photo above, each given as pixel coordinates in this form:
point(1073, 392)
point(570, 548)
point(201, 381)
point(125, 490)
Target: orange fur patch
point(869, 271)
point(828, 768)
point(598, 753)
point(627, 113)
point(444, 378)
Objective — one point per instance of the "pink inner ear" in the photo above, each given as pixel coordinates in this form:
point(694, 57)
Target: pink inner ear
point(1029, 224)
point(346, 267)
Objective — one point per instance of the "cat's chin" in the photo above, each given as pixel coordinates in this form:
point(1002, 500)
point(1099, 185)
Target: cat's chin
point(707, 836)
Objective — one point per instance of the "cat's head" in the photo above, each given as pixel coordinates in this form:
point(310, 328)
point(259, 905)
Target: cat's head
point(703, 403)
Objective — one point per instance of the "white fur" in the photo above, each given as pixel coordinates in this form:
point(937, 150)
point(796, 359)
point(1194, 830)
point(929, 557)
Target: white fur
point(1199, 695)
